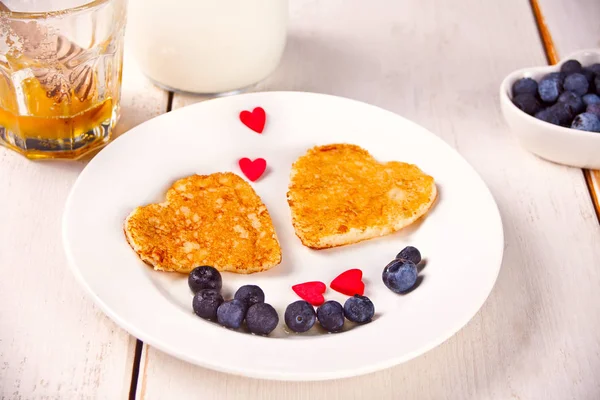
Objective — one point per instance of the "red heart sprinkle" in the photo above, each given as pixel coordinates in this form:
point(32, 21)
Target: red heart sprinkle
point(253, 169)
point(349, 283)
point(254, 120)
point(311, 292)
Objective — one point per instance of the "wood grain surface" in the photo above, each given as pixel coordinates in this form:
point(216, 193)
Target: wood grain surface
point(440, 64)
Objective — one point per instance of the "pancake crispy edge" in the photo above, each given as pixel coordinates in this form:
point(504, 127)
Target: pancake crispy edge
point(339, 195)
point(215, 220)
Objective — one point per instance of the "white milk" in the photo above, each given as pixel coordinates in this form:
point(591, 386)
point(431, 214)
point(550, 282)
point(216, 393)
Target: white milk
point(207, 46)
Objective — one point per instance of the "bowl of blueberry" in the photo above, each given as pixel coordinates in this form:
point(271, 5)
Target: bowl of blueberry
point(555, 110)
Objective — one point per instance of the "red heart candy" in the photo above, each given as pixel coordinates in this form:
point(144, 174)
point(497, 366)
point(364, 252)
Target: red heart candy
point(253, 169)
point(349, 283)
point(311, 292)
point(254, 120)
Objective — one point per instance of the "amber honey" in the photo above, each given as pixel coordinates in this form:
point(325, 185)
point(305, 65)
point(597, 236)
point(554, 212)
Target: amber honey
point(59, 92)
point(61, 133)
point(51, 128)
point(65, 127)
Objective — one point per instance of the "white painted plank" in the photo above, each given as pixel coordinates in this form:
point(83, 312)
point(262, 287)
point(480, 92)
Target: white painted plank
point(54, 343)
point(440, 63)
point(574, 26)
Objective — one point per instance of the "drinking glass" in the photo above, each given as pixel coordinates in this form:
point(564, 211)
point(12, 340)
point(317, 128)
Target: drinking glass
point(60, 75)
point(207, 46)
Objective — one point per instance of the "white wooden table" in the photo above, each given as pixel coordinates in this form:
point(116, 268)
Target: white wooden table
point(436, 62)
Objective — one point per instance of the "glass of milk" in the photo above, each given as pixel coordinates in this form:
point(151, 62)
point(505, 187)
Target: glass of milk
point(207, 46)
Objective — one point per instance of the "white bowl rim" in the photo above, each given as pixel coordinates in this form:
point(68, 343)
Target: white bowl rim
point(506, 89)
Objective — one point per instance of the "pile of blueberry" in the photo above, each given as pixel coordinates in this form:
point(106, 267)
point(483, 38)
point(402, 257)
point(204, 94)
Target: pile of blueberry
point(567, 98)
point(300, 316)
point(400, 275)
point(248, 303)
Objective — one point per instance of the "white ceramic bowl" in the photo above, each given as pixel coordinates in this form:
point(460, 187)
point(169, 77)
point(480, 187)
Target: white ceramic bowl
point(551, 142)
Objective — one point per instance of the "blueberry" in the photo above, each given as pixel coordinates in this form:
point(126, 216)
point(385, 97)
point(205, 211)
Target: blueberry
point(556, 76)
point(591, 99)
point(577, 83)
point(596, 84)
point(547, 116)
point(595, 68)
point(331, 316)
point(261, 318)
point(563, 112)
point(527, 103)
point(300, 316)
point(524, 85)
point(572, 100)
point(590, 76)
point(206, 302)
point(359, 309)
point(400, 275)
point(410, 253)
point(250, 294)
point(231, 313)
point(570, 67)
point(204, 277)
point(594, 109)
point(549, 88)
point(586, 122)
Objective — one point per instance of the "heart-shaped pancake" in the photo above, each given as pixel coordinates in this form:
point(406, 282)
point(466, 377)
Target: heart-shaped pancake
point(215, 220)
point(339, 194)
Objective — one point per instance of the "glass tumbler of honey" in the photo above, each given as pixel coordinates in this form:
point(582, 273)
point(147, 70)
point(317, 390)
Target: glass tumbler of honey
point(60, 75)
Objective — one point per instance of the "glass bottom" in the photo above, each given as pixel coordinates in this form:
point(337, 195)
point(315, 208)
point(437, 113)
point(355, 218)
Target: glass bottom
point(68, 148)
point(198, 94)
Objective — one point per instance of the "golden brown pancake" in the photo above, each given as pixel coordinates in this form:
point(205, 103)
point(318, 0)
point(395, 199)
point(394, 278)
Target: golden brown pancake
point(215, 220)
point(339, 194)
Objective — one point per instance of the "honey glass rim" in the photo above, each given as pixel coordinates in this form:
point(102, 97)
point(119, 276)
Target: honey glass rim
point(49, 14)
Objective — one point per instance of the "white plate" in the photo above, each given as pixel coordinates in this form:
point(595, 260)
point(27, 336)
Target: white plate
point(461, 238)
